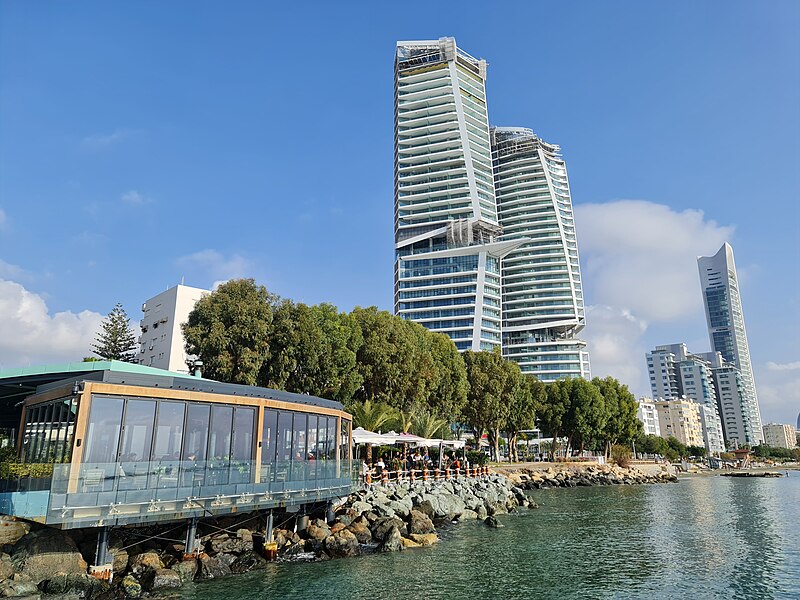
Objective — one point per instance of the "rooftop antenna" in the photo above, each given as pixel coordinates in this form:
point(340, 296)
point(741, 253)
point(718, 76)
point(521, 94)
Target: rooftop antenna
point(181, 279)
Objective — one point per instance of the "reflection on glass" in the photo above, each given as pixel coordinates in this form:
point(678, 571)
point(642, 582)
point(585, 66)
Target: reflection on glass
point(169, 431)
point(138, 431)
point(268, 445)
point(102, 433)
point(219, 445)
point(242, 447)
point(194, 444)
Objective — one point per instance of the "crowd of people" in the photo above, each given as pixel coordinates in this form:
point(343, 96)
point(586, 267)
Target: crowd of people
point(415, 462)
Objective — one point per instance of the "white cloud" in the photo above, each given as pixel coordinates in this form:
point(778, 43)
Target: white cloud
point(778, 394)
point(9, 271)
point(642, 256)
point(100, 141)
point(3, 218)
point(134, 198)
point(29, 334)
point(792, 366)
point(614, 338)
point(216, 265)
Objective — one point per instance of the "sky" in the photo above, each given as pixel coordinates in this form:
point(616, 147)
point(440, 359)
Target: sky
point(142, 144)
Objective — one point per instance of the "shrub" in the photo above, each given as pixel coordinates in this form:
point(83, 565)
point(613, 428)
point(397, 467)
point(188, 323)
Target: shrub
point(621, 455)
point(477, 458)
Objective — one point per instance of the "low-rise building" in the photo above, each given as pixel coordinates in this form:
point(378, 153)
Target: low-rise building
point(161, 344)
point(648, 415)
point(778, 435)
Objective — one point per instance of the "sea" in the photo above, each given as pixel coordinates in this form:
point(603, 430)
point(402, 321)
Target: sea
point(704, 537)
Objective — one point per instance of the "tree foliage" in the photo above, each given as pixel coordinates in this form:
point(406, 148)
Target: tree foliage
point(229, 330)
point(116, 340)
point(622, 425)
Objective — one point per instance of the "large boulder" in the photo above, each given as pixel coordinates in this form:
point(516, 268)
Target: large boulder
point(11, 588)
point(319, 533)
point(212, 568)
point(186, 569)
point(392, 541)
point(162, 579)
point(493, 522)
point(360, 528)
point(382, 526)
point(146, 561)
point(420, 523)
point(82, 584)
point(6, 566)
point(361, 507)
point(44, 552)
point(131, 587)
point(426, 508)
point(224, 543)
point(342, 544)
point(11, 530)
point(248, 561)
point(424, 539)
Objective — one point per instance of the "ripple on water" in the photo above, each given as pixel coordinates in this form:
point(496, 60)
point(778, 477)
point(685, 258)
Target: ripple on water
point(710, 537)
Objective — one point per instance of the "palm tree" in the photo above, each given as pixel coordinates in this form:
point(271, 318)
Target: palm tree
point(371, 416)
point(428, 425)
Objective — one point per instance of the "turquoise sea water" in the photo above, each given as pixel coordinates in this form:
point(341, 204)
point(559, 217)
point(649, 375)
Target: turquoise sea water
point(705, 537)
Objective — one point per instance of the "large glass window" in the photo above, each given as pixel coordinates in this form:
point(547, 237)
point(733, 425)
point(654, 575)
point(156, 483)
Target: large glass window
point(137, 433)
point(331, 438)
point(269, 433)
point(197, 421)
point(169, 431)
point(102, 433)
point(242, 446)
point(219, 444)
point(284, 437)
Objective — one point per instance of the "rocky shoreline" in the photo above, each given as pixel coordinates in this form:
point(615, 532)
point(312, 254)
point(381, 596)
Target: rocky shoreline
point(38, 561)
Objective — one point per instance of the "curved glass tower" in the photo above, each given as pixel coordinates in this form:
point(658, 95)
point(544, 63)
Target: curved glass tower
point(726, 331)
point(543, 308)
point(448, 250)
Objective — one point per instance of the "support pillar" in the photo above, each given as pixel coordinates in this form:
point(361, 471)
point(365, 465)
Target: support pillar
point(270, 546)
point(191, 548)
point(103, 567)
point(330, 516)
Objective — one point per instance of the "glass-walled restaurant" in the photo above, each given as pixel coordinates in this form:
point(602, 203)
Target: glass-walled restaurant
point(133, 454)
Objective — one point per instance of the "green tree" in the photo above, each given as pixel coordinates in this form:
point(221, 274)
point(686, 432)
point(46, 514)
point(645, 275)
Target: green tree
point(489, 394)
point(676, 449)
point(698, 451)
point(428, 425)
point(553, 414)
point(586, 416)
point(312, 349)
point(527, 398)
point(652, 444)
point(622, 425)
point(370, 415)
point(115, 340)
point(229, 330)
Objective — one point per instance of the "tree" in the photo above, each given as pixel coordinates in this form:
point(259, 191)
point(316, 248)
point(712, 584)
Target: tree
point(370, 415)
point(698, 451)
point(313, 349)
point(676, 449)
point(229, 330)
point(622, 425)
point(526, 400)
point(587, 416)
point(489, 394)
point(116, 340)
point(652, 444)
point(426, 424)
point(553, 413)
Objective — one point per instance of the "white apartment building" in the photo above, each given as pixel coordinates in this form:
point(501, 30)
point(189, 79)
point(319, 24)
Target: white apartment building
point(778, 435)
point(543, 310)
point(648, 415)
point(712, 428)
point(161, 341)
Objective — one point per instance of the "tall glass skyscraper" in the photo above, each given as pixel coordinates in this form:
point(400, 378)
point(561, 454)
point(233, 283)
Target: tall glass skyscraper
point(728, 337)
point(541, 281)
point(448, 249)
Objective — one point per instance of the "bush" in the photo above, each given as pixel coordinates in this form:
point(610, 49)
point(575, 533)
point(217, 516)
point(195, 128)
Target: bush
point(477, 458)
point(621, 455)
point(15, 470)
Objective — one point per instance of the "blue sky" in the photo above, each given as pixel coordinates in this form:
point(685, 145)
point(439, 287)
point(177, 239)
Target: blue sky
point(145, 142)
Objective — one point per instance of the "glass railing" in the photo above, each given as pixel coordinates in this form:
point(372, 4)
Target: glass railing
point(139, 492)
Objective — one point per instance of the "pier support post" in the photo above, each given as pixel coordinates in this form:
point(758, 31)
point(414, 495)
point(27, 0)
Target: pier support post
point(270, 546)
point(191, 546)
point(103, 567)
point(330, 516)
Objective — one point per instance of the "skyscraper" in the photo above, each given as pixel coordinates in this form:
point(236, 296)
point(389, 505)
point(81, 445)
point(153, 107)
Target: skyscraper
point(727, 334)
point(447, 269)
point(542, 291)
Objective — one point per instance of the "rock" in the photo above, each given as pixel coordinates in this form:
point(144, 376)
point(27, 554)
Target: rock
point(481, 512)
point(493, 522)
point(382, 526)
point(186, 569)
point(315, 532)
point(248, 561)
point(420, 523)
point(245, 535)
point(212, 568)
point(82, 584)
point(147, 561)
point(467, 515)
point(342, 544)
point(15, 589)
point(409, 543)
point(294, 549)
point(361, 507)
point(225, 543)
point(399, 508)
point(162, 579)
point(360, 528)
point(6, 566)
point(44, 552)
point(337, 527)
point(424, 539)
point(344, 520)
point(426, 508)
point(131, 587)
point(392, 541)
point(226, 558)
point(11, 530)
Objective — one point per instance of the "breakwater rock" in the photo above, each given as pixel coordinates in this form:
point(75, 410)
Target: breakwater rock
point(577, 476)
